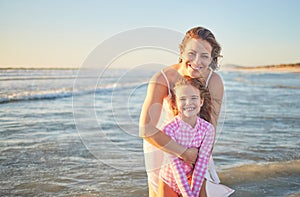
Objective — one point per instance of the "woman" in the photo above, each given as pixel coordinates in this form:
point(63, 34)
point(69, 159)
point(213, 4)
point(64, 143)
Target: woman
point(199, 52)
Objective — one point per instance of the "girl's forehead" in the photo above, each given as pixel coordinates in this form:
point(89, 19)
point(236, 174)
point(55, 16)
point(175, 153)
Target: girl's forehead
point(186, 89)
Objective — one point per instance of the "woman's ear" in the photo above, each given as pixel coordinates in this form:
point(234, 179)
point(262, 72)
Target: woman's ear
point(180, 53)
point(201, 102)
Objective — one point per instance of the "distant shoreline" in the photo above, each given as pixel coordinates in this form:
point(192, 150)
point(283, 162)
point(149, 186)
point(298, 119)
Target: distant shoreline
point(268, 68)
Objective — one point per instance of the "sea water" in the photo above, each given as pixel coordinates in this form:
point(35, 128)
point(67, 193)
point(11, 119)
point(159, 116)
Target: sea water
point(67, 134)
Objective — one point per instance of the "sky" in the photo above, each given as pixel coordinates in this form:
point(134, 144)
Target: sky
point(62, 33)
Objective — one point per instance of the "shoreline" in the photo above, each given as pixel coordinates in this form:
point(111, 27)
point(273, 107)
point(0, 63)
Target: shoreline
point(281, 68)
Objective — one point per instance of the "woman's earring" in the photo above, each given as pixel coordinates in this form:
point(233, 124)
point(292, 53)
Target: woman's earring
point(180, 60)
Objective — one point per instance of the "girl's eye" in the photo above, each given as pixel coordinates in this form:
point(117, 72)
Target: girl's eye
point(191, 53)
point(182, 99)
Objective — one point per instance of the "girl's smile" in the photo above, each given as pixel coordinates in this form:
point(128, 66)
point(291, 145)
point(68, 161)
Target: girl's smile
point(188, 102)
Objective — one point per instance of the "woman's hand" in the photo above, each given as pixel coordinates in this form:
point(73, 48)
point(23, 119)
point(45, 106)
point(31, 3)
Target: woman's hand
point(190, 156)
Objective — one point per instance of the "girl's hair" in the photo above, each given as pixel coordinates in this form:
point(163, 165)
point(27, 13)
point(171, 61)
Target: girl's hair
point(199, 83)
point(204, 34)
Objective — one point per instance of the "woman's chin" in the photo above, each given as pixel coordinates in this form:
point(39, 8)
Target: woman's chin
point(195, 74)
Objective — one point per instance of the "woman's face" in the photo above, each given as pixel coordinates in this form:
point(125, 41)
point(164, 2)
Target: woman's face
point(196, 57)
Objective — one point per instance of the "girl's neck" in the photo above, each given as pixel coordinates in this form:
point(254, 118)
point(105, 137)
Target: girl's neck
point(191, 120)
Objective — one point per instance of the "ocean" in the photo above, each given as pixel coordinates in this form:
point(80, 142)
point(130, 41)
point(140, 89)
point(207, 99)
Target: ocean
point(70, 132)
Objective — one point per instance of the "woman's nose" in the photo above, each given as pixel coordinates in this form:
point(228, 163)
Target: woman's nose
point(198, 60)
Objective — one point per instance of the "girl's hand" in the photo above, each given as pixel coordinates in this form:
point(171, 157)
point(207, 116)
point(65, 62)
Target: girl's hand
point(190, 156)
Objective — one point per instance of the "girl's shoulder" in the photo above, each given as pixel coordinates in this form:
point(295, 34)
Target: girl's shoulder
point(204, 124)
point(174, 123)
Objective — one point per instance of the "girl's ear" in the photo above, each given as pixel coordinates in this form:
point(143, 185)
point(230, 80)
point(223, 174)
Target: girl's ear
point(174, 107)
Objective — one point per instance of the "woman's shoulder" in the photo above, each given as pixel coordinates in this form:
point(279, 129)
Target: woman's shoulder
point(165, 75)
point(215, 84)
point(216, 78)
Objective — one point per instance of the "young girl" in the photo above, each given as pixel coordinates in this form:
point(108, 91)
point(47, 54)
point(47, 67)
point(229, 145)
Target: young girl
point(189, 100)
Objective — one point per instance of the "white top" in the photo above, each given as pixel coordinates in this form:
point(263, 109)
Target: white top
point(208, 78)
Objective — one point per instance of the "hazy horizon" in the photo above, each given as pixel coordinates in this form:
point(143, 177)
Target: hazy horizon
point(62, 34)
point(79, 67)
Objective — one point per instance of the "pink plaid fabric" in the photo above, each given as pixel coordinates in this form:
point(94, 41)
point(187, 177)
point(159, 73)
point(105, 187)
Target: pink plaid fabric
point(174, 170)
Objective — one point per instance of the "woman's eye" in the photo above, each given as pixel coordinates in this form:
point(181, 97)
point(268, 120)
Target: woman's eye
point(191, 53)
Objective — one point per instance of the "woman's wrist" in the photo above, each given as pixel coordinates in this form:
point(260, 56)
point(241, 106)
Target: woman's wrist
point(183, 154)
point(190, 155)
point(180, 151)
point(175, 149)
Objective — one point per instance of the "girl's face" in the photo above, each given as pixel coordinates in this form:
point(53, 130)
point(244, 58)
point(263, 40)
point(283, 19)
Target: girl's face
point(196, 57)
point(188, 101)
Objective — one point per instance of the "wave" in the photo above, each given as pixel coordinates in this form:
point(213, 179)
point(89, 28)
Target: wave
point(259, 172)
point(287, 87)
point(36, 78)
point(39, 95)
point(64, 92)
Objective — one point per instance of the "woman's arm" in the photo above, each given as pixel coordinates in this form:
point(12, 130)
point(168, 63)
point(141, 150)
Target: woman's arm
point(216, 89)
point(157, 91)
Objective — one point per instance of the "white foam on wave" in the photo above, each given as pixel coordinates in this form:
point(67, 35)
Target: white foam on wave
point(63, 92)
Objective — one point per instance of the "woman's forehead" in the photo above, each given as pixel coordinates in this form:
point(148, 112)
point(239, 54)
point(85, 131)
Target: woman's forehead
point(198, 45)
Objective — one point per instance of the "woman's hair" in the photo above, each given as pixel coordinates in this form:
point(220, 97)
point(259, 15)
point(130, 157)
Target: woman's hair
point(204, 34)
point(199, 83)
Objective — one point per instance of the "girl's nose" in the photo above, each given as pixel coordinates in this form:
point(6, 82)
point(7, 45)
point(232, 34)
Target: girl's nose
point(188, 101)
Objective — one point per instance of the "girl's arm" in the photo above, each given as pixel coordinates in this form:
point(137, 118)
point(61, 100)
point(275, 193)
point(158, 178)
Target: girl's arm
point(181, 178)
point(177, 163)
point(202, 160)
point(157, 90)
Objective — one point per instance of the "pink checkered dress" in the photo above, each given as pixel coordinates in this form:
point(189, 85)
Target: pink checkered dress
point(174, 170)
